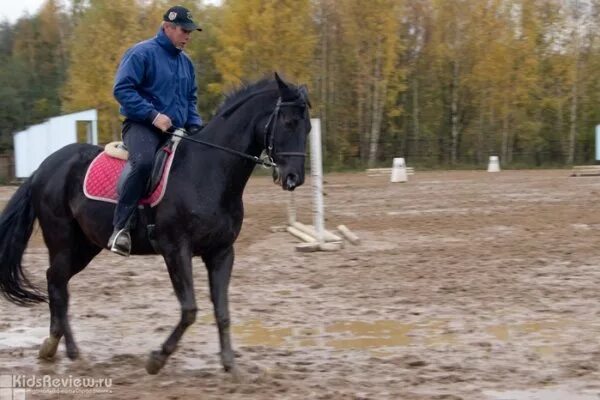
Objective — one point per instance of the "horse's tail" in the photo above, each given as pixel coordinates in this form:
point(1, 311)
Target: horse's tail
point(16, 225)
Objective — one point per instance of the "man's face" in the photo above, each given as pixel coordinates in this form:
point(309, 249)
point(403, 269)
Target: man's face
point(179, 36)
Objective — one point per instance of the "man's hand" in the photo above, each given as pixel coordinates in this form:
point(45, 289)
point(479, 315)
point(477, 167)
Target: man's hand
point(162, 122)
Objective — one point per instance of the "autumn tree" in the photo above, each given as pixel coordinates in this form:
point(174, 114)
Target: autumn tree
point(106, 29)
point(257, 37)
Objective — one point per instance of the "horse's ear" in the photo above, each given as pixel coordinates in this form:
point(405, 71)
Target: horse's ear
point(286, 92)
point(303, 89)
point(282, 85)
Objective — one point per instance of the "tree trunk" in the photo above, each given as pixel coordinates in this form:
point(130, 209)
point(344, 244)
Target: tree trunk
point(479, 157)
point(560, 126)
point(378, 102)
point(573, 111)
point(574, 90)
point(415, 115)
point(505, 133)
point(324, 78)
point(454, 114)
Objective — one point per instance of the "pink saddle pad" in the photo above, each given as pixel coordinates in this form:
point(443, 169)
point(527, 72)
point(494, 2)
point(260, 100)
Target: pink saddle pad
point(103, 174)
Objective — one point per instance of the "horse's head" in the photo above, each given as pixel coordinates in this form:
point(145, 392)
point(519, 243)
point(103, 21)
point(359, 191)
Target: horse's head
point(286, 132)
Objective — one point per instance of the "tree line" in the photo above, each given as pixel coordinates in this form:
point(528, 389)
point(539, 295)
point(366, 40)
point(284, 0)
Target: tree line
point(439, 82)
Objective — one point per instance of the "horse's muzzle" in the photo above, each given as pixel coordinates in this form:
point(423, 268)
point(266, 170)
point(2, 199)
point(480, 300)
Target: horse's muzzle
point(291, 181)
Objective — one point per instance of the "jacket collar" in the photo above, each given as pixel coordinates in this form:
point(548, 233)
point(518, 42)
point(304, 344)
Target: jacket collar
point(166, 43)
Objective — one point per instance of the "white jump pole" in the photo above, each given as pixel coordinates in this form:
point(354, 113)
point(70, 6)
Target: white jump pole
point(292, 209)
point(316, 170)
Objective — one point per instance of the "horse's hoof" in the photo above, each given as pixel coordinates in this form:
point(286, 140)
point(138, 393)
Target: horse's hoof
point(155, 362)
point(228, 360)
point(236, 374)
point(72, 352)
point(48, 348)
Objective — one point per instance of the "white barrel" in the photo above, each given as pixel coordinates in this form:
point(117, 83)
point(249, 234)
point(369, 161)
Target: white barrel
point(494, 164)
point(399, 170)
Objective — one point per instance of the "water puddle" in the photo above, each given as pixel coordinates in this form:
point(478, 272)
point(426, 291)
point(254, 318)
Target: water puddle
point(254, 333)
point(23, 337)
point(367, 335)
point(542, 337)
point(548, 332)
point(343, 335)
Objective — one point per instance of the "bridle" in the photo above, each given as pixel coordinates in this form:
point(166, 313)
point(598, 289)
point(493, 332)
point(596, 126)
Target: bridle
point(269, 133)
point(271, 128)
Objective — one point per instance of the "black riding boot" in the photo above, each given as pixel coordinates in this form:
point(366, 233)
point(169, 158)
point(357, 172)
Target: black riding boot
point(142, 142)
point(120, 242)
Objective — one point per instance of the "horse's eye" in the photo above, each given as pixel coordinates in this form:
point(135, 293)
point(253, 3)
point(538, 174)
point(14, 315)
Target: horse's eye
point(291, 123)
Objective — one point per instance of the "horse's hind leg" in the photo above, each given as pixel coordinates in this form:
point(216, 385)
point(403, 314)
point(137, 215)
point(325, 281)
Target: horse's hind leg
point(67, 258)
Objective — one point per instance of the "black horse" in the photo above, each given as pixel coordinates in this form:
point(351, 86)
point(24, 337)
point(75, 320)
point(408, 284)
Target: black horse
point(200, 215)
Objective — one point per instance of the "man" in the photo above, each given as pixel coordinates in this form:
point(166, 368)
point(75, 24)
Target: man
point(156, 88)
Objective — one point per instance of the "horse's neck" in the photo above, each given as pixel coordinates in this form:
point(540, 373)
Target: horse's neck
point(235, 133)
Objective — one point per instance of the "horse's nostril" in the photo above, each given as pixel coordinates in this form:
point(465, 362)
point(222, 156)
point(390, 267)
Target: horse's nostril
point(291, 181)
point(293, 177)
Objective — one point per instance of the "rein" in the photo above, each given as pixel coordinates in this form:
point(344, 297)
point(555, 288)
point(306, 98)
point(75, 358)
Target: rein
point(269, 134)
point(266, 162)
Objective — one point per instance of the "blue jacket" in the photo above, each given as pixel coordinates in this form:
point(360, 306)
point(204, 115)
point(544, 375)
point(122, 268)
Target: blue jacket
point(155, 77)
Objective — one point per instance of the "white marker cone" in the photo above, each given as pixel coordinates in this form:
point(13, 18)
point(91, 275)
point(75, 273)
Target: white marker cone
point(494, 164)
point(398, 170)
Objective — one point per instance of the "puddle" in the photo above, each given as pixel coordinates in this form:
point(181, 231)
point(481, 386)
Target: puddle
point(343, 335)
point(500, 332)
point(382, 334)
point(254, 333)
point(367, 335)
point(543, 329)
point(23, 337)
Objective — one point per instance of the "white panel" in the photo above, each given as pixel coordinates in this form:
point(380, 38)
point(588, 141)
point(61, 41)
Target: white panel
point(62, 131)
point(21, 158)
point(35, 144)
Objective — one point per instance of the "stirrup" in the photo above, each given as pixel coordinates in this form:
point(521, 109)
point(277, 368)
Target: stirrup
point(125, 248)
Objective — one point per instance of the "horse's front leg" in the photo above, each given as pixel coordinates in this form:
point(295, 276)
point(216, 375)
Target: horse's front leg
point(219, 265)
point(179, 264)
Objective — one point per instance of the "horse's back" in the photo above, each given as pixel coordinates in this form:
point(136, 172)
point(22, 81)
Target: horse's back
point(60, 176)
point(70, 162)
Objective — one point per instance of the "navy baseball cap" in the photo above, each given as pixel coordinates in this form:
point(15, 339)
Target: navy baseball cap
point(181, 16)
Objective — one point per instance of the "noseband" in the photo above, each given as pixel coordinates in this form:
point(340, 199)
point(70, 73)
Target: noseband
point(271, 128)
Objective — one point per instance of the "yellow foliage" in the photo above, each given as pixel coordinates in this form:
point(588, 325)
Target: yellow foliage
point(258, 37)
point(106, 30)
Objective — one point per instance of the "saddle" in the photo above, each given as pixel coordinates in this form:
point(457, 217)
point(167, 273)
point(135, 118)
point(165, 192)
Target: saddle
point(106, 174)
point(119, 150)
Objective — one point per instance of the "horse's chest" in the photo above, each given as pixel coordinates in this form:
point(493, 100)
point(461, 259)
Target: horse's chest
point(216, 229)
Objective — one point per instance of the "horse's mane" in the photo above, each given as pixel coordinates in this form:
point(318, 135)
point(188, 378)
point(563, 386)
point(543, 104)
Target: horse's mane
point(246, 90)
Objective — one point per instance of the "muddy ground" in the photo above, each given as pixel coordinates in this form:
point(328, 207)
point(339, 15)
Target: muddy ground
point(467, 285)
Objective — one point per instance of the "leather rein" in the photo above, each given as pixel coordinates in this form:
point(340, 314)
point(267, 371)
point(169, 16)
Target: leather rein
point(269, 135)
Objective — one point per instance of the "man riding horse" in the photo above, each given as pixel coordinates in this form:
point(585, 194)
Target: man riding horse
point(201, 212)
point(156, 88)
